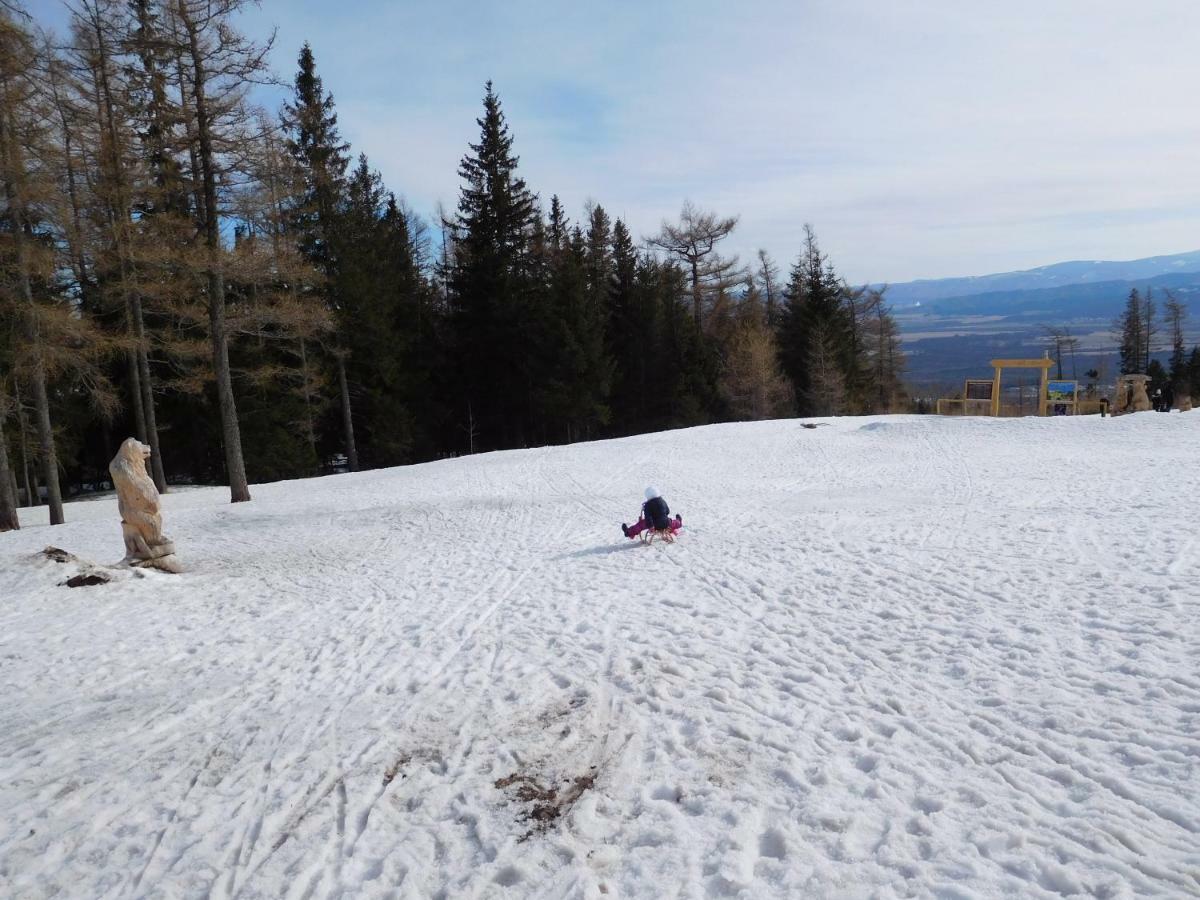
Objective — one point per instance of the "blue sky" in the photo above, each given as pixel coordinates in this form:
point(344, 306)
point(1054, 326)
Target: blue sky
point(922, 139)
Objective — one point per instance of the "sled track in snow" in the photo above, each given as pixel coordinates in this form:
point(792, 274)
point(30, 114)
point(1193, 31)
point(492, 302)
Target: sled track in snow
point(940, 667)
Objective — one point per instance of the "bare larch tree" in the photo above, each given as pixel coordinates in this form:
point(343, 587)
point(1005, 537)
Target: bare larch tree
point(694, 240)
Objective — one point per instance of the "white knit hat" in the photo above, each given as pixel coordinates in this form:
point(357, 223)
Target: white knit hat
point(651, 493)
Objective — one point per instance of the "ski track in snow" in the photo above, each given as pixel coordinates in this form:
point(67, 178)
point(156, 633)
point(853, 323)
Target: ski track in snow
point(888, 657)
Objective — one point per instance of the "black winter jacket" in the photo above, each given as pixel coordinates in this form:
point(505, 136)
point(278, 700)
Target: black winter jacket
point(657, 513)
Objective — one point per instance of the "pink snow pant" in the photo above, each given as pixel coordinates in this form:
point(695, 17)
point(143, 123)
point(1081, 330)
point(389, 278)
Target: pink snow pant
point(641, 525)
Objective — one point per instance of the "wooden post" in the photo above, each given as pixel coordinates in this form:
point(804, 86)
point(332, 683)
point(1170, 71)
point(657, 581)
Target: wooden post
point(1042, 398)
point(996, 391)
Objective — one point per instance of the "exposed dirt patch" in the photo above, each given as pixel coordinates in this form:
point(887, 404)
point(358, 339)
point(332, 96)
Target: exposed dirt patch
point(545, 803)
point(57, 555)
point(87, 579)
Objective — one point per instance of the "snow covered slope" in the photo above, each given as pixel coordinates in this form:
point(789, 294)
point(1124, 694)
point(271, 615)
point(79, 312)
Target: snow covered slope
point(888, 657)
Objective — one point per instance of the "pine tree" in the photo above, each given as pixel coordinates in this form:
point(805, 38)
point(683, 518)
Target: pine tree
point(409, 323)
point(859, 305)
point(322, 159)
point(578, 370)
point(629, 333)
point(599, 268)
point(680, 370)
point(1133, 341)
point(595, 365)
point(380, 288)
point(488, 280)
point(826, 395)
point(815, 334)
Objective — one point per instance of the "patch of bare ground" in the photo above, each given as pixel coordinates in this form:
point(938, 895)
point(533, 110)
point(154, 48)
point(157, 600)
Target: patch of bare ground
point(545, 804)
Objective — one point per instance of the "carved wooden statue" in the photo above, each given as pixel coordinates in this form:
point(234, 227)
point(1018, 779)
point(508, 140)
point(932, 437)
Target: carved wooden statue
point(141, 510)
point(1131, 394)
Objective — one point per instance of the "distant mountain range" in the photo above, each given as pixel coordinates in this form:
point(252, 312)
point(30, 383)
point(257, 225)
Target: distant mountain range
point(925, 290)
point(953, 326)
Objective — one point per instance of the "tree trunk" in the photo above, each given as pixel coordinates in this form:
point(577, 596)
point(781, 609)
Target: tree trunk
point(697, 295)
point(74, 234)
point(193, 158)
point(347, 419)
point(770, 289)
point(309, 425)
point(147, 398)
point(239, 489)
point(8, 503)
point(41, 403)
point(135, 379)
point(22, 431)
point(35, 485)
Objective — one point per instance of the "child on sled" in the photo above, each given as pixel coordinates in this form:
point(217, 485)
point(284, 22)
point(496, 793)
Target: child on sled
point(655, 515)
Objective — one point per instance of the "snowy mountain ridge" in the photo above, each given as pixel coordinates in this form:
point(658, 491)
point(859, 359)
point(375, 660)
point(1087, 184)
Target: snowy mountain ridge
point(1074, 272)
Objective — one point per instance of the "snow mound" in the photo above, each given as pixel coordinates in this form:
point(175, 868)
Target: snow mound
point(957, 659)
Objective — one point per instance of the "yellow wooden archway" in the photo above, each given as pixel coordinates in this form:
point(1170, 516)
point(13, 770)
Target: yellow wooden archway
point(1001, 364)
